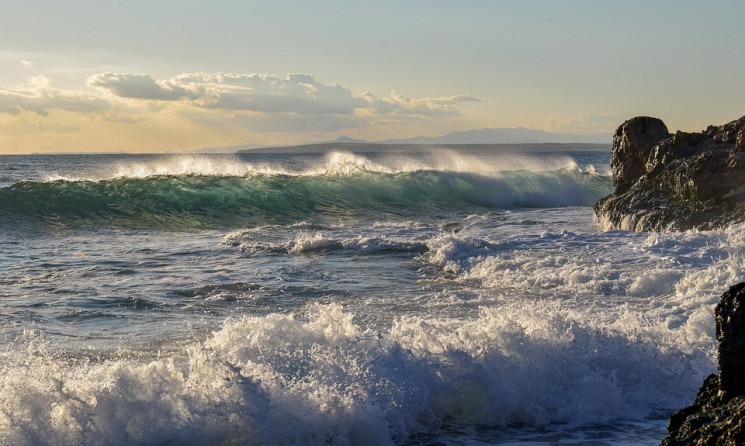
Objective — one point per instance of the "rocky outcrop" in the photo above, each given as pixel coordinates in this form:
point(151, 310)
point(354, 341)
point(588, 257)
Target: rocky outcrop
point(717, 417)
point(632, 147)
point(675, 181)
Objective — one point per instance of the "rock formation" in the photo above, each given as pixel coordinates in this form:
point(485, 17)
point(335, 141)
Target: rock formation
point(717, 417)
point(676, 182)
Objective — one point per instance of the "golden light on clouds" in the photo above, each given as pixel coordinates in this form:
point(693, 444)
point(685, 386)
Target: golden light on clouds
point(138, 113)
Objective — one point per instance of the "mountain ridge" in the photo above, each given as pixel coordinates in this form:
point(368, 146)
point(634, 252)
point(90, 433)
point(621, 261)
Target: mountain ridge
point(474, 137)
point(517, 135)
point(410, 147)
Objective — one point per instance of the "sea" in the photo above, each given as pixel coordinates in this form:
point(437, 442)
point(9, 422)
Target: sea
point(432, 297)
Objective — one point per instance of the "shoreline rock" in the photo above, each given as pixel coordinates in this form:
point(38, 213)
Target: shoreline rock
point(675, 181)
point(717, 416)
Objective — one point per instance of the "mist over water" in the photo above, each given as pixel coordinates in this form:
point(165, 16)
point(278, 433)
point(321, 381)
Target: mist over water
point(344, 299)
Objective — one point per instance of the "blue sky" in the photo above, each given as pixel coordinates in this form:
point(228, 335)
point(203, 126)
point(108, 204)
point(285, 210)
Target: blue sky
point(166, 75)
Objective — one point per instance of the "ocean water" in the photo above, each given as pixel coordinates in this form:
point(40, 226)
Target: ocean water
point(434, 298)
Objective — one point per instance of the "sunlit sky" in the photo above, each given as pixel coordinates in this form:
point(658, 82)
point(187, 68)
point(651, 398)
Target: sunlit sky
point(179, 75)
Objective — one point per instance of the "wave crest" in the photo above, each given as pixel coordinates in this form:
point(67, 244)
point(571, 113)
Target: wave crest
point(349, 186)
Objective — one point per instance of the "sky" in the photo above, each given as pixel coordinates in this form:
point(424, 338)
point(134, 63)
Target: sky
point(157, 75)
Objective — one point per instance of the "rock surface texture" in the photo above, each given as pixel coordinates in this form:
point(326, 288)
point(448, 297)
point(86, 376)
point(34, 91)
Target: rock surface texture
point(675, 181)
point(717, 417)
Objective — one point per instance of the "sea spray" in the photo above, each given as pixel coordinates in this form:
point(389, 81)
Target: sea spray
point(195, 201)
point(294, 379)
point(370, 303)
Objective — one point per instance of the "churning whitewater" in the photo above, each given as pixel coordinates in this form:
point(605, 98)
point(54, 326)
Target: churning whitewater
point(394, 298)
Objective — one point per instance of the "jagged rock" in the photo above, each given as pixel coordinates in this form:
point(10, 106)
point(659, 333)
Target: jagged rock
point(730, 326)
point(676, 182)
point(717, 416)
point(632, 146)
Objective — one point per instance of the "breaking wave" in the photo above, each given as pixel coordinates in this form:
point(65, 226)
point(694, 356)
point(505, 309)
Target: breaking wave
point(219, 201)
point(320, 378)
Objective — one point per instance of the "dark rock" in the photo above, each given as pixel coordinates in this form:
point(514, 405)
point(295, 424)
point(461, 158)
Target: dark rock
point(730, 320)
point(717, 416)
point(632, 144)
point(676, 182)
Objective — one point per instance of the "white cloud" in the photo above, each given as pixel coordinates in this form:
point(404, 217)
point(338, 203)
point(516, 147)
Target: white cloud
point(38, 96)
point(137, 86)
point(127, 97)
point(295, 93)
point(398, 103)
point(213, 105)
point(266, 93)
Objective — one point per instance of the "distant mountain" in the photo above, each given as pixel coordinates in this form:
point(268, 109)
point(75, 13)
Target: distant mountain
point(347, 140)
point(371, 147)
point(519, 135)
point(515, 136)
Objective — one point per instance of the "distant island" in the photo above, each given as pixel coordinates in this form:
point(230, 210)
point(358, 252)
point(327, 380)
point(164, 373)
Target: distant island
point(395, 148)
point(496, 139)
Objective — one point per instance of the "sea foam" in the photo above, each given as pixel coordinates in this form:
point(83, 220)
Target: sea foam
point(319, 378)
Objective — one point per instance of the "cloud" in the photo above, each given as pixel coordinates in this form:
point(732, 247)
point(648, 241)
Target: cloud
point(201, 108)
point(456, 98)
point(400, 104)
point(265, 93)
point(298, 94)
point(38, 96)
point(137, 86)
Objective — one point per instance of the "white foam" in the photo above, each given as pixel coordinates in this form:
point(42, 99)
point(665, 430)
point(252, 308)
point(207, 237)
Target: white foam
point(443, 160)
point(173, 165)
point(447, 160)
point(455, 254)
point(345, 163)
point(308, 242)
point(321, 378)
point(672, 279)
point(185, 165)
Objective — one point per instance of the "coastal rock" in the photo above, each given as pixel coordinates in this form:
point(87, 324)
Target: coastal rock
point(632, 146)
point(717, 416)
point(675, 182)
point(730, 326)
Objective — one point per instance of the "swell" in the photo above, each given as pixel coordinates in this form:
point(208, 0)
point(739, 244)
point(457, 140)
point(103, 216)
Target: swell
point(194, 201)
